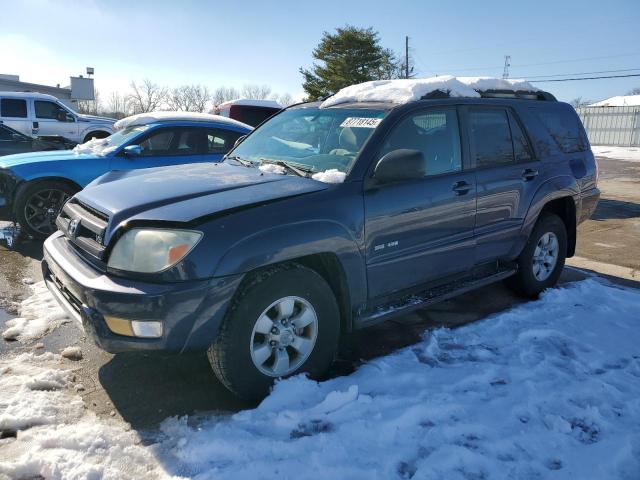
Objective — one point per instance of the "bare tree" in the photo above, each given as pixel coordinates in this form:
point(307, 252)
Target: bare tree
point(147, 96)
point(189, 98)
point(285, 99)
point(634, 91)
point(579, 102)
point(117, 106)
point(256, 92)
point(90, 107)
point(224, 94)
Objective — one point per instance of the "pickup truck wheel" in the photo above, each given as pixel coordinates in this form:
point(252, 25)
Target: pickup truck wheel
point(284, 321)
point(542, 260)
point(38, 204)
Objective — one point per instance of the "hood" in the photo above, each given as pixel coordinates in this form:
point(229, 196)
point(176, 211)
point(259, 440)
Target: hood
point(96, 119)
point(185, 193)
point(11, 161)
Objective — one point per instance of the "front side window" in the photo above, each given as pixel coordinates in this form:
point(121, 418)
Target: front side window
point(491, 137)
point(432, 132)
point(159, 142)
point(13, 107)
point(317, 139)
point(50, 110)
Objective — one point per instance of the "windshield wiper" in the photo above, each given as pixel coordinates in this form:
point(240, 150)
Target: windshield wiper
point(301, 172)
point(242, 161)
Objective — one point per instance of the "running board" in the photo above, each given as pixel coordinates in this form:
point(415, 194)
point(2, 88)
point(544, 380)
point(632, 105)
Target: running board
point(430, 297)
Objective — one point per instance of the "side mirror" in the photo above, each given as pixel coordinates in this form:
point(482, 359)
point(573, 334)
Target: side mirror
point(239, 141)
point(402, 164)
point(133, 150)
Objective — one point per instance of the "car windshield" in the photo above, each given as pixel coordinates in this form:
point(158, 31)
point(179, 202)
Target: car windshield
point(103, 146)
point(315, 139)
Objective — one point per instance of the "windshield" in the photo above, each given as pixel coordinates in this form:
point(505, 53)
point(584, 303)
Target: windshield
point(103, 146)
point(317, 139)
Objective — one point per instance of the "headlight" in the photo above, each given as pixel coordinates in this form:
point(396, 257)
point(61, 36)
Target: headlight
point(148, 250)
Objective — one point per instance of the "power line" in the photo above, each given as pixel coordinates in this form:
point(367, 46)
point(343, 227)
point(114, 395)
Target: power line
point(580, 73)
point(586, 78)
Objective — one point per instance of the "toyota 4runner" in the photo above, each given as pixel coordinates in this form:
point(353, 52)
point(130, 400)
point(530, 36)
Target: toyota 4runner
point(331, 216)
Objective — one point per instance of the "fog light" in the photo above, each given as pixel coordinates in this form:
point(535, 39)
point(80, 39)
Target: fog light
point(147, 329)
point(119, 326)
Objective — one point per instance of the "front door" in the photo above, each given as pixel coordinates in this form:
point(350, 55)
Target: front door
point(421, 229)
point(507, 177)
point(51, 119)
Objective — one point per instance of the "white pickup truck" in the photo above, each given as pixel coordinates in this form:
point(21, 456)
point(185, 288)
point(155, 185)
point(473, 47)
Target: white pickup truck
point(37, 115)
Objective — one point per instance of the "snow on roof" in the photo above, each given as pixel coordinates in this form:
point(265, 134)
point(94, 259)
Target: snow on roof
point(407, 90)
point(619, 101)
point(251, 102)
point(154, 117)
point(13, 94)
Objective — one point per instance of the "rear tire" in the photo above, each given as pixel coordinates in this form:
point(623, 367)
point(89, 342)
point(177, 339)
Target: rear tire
point(542, 260)
point(38, 204)
point(247, 361)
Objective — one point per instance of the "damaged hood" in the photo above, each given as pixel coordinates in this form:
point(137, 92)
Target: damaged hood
point(185, 193)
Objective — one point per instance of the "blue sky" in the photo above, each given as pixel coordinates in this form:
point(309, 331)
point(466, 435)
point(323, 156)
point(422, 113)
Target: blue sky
point(266, 42)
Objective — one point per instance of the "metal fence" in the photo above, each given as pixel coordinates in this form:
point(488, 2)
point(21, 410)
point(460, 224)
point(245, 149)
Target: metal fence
point(613, 126)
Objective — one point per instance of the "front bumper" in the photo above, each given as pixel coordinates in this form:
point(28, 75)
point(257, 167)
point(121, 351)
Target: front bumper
point(190, 312)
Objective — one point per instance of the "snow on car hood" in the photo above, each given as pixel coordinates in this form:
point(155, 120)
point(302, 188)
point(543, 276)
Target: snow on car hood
point(184, 193)
point(407, 90)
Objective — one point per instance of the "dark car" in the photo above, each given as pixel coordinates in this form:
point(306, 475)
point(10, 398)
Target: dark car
point(12, 141)
point(327, 218)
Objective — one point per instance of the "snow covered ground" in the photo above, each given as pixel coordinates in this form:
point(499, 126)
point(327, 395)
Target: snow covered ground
point(549, 389)
point(629, 154)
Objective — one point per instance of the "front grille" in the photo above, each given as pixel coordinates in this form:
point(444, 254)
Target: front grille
point(84, 227)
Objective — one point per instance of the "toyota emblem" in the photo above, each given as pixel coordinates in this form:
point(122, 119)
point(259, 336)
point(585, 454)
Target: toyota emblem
point(72, 229)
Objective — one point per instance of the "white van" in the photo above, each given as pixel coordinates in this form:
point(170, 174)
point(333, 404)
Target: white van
point(37, 114)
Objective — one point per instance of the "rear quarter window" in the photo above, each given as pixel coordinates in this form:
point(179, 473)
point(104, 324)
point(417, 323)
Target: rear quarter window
point(564, 127)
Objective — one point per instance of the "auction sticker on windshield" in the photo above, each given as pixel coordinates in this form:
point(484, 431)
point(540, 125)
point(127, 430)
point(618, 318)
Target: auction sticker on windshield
point(360, 122)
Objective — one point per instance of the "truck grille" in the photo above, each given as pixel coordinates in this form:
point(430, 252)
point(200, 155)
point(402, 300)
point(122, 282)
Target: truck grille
point(84, 227)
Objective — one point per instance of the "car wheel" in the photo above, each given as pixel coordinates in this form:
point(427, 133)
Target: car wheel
point(38, 204)
point(542, 260)
point(282, 322)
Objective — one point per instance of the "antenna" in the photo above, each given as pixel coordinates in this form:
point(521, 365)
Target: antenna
point(507, 64)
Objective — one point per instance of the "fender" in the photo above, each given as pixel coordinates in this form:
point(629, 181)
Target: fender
point(554, 188)
point(295, 240)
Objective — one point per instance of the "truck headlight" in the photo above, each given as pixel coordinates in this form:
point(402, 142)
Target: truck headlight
point(150, 250)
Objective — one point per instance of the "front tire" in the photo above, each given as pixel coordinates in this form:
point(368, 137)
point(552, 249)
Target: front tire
point(38, 204)
point(283, 321)
point(542, 260)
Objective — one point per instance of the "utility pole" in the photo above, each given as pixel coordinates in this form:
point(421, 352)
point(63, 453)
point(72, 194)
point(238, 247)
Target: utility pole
point(507, 64)
point(406, 57)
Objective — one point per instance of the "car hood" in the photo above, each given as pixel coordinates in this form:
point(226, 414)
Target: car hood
point(10, 161)
point(96, 119)
point(187, 193)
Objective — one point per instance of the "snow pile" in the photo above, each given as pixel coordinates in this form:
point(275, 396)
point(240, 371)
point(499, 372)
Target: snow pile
point(547, 389)
point(249, 102)
point(272, 168)
point(629, 154)
point(95, 146)
point(39, 314)
point(55, 436)
point(407, 90)
point(332, 175)
point(153, 117)
point(619, 101)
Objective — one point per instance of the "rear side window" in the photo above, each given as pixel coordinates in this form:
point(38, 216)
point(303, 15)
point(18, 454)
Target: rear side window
point(564, 127)
point(13, 107)
point(521, 148)
point(491, 137)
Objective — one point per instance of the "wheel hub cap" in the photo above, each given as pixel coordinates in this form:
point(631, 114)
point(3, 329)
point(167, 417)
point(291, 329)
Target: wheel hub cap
point(284, 336)
point(545, 256)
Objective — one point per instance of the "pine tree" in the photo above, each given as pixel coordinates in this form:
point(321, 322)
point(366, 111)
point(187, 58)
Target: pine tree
point(351, 55)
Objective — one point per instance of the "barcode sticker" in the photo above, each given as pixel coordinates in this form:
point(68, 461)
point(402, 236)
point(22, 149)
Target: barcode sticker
point(360, 122)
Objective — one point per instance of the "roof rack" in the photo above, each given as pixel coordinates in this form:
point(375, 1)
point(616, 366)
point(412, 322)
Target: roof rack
point(519, 94)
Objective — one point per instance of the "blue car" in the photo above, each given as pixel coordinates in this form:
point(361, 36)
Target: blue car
point(35, 186)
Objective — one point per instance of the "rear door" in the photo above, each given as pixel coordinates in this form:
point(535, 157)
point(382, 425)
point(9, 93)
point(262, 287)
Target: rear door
point(421, 229)
point(15, 114)
point(507, 174)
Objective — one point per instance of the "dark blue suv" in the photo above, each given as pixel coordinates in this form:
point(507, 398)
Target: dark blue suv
point(328, 217)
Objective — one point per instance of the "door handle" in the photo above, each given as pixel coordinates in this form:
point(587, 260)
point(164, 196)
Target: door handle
point(36, 127)
point(529, 174)
point(461, 188)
